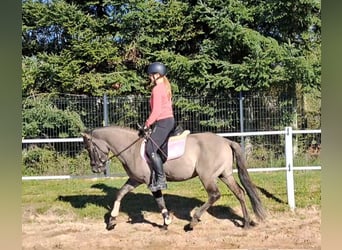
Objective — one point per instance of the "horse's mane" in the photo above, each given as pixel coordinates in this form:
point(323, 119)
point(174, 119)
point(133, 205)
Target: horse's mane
point(114, 127)
point(123, 128)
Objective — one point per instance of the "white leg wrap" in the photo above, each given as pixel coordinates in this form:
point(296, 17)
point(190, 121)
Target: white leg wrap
point(115, 211)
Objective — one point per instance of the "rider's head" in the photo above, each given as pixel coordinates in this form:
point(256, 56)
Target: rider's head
point(156, 68)
point(157, 74)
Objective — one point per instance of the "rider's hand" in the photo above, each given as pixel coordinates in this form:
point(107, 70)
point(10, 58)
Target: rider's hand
point(143, 131)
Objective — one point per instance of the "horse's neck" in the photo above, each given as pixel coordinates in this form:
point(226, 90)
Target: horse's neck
point(119, 139)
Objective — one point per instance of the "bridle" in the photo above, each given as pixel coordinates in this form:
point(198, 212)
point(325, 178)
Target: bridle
point(95, 152)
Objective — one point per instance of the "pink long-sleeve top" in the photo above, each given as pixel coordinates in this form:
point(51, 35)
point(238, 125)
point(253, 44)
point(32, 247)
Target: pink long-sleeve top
point(160, 104)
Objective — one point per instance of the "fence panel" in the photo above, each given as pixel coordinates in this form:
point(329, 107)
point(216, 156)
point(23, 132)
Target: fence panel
point(233, 114)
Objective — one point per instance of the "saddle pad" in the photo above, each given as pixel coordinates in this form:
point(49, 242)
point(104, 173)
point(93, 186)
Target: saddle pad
point(176, 146)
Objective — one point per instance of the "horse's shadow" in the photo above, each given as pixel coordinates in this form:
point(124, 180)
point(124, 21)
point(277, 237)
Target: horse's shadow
point(135, 204)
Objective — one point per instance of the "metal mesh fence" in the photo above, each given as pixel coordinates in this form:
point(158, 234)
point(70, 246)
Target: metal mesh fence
point(248, 113)
point(198, 114)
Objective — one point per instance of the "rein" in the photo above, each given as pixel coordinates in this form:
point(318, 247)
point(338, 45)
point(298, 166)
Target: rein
point(119, 153)
point(146, 136)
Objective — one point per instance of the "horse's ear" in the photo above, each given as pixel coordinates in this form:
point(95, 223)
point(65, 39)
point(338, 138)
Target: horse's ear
point(85, 135)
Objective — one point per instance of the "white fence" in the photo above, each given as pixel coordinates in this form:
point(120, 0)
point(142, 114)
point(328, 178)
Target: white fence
point(289, 168)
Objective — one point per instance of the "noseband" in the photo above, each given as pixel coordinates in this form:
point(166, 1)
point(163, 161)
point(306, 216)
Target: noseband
point(95, 152)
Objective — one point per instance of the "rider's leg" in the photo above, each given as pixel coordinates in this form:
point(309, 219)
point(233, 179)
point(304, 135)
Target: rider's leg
point(160, 180)
point(154, 144)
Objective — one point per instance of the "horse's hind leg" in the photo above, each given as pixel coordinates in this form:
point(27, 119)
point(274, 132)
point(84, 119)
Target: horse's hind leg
point(158, 196)
point(126, 188)
point(239, 194)
point(213, 196)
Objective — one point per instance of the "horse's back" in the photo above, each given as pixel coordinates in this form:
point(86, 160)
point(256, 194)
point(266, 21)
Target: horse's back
point(184, 167)
point(205, 153)
point(210, 142)
point(215, 154)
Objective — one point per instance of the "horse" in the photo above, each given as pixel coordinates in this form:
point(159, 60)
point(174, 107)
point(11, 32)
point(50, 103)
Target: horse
point(206, 155)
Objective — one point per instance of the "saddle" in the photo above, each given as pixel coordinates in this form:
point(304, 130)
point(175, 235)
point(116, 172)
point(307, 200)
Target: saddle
point(176, 146)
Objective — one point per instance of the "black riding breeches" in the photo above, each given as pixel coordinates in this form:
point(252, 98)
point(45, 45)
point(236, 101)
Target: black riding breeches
point(157, 142)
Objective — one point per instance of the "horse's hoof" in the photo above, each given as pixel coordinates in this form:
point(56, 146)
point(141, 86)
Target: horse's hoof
point(111, 224)
point(188, 227)
point(193, 222)
point(249, 224)
point(110, 227)
point(167, 218)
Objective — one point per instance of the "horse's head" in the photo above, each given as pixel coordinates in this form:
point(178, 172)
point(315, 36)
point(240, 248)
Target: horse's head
point(98, 152)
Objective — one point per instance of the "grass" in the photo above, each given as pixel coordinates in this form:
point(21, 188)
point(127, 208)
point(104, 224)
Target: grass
point(93, 198)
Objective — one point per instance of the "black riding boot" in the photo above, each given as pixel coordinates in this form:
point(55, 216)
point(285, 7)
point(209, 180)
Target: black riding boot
point(159, 180)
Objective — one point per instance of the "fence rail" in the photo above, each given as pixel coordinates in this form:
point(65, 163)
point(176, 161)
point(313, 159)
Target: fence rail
point(289, 166)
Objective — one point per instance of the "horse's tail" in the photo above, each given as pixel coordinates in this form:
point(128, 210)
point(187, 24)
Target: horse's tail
point(246, 181)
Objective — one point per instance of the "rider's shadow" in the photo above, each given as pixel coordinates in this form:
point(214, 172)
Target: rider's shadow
point(135, 204)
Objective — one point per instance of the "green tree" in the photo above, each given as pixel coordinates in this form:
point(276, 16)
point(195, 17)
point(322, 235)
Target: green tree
point(210, 47)
point(42, 119)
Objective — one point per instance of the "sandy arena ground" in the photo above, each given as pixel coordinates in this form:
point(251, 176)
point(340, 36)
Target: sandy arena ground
point(282, 230)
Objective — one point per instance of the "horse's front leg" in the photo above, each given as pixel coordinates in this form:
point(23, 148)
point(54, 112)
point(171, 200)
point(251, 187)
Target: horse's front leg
point(126, 188)
point(158, 196)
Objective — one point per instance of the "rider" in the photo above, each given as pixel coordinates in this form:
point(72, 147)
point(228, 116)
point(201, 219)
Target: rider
point(161, 120)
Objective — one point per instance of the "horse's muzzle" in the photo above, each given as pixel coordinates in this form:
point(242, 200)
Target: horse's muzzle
point(97, 169)
point(94, 167)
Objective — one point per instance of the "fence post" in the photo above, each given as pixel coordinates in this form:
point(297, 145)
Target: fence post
point(105, 123)
point(241, 119)
point(289, 167)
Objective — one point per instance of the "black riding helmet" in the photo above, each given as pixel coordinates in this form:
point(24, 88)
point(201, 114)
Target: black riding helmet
point(156, 67)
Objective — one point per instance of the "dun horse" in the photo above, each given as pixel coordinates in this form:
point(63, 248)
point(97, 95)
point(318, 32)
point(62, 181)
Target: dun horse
point(206, 155)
